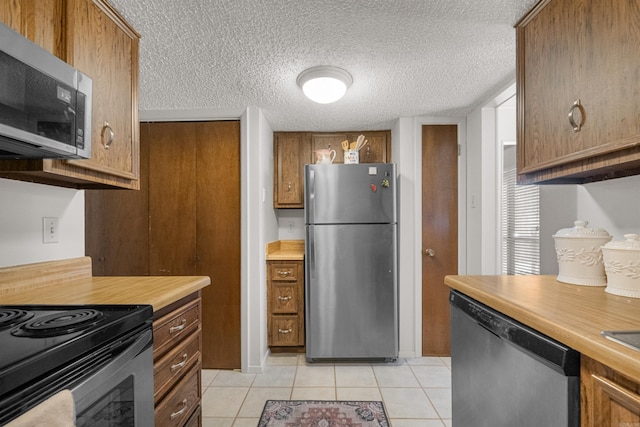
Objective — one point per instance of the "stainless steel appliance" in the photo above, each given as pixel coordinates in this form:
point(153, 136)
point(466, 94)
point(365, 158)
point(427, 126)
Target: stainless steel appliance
point(504, 373)
point(351, 289)
point(45, 104)
point(103, 354)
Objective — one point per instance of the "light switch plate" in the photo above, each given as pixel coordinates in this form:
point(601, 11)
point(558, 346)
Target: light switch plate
point(50, 230)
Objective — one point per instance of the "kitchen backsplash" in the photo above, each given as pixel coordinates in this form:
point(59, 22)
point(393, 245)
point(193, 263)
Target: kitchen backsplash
point(23, 206)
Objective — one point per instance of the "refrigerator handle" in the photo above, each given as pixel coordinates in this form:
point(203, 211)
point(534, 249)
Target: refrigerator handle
point(310, 202)
point(311, 260)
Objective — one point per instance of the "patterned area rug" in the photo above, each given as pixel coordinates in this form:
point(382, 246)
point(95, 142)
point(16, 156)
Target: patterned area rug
point(322, 413)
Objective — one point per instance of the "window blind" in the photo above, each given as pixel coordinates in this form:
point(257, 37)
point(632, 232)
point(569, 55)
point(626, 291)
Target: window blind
point(520, 228)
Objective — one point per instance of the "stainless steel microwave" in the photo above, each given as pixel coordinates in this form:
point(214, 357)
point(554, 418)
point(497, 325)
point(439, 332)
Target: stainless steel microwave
point(45, 104)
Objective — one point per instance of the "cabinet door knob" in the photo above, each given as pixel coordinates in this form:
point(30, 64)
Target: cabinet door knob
point(577, 106)
point(289, 187)
point(429, 252)
point(106, 130)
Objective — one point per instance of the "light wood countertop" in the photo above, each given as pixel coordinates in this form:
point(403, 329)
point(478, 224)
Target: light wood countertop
point(285, 250)
point(70, 282)
point(574, 315)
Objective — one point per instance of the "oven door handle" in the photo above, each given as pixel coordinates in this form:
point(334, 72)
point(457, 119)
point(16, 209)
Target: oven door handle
point(85, 388)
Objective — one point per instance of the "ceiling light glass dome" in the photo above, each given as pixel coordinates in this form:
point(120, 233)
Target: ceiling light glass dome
point(324, 84)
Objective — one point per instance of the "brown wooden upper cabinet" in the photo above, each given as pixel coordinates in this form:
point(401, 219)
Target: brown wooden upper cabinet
point(94, 38)
point(293, 150)
point(577, 90)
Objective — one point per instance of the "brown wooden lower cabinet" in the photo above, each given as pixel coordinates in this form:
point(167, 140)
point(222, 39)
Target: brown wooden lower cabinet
point(285, 299)
point(177, 359)
point(607, 398)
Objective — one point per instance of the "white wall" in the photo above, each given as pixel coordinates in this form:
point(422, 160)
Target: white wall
point(258, 226)
point(613, 205)
point(290, 223)
point(474, 192)
point(558, 209)
point(268, 233)
point(22, 207)
point(403, 153)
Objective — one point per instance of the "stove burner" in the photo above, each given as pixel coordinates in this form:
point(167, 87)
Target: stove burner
point(12, 316)
point(62, 323)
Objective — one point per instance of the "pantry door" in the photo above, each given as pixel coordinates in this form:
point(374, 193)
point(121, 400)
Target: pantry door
point(439, 233)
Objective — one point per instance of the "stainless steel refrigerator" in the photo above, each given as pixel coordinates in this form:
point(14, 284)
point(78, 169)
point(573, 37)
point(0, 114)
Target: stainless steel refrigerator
point(351, 286)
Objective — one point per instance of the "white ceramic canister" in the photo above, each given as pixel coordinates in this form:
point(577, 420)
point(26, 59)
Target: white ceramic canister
point(622, 265)
point(351, 157)
point(579, 254)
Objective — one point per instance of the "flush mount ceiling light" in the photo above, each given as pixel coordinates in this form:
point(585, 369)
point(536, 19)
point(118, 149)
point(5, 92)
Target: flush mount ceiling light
point(324, 84)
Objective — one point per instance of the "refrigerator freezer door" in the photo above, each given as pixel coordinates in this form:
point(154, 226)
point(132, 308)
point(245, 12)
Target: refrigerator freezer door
point(343, 194)
point(351, 292)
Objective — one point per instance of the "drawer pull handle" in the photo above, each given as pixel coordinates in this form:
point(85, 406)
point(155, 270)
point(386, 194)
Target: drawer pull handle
point(181, 411)
point(577, 105)
point(178, 328)
point(180, 365)
point(284, 273)
point(285, 331)
point(281, 298)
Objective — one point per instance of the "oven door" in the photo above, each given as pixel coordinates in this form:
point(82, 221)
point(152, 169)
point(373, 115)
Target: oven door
point(120, 393)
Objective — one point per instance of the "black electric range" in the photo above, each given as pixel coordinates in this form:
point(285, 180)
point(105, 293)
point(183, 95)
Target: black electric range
point(53, 346)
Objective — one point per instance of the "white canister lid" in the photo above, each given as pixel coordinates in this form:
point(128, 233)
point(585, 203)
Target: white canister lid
point(581, 231)
point(631, 243)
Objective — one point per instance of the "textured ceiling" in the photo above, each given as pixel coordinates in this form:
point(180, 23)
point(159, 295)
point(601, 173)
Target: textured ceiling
point(407, 57)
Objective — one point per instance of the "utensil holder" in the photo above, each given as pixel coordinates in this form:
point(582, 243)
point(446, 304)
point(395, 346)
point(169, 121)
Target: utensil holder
point(351, 157)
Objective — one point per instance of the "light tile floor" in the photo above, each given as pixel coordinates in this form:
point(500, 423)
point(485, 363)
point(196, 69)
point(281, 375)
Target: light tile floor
point(416, 392)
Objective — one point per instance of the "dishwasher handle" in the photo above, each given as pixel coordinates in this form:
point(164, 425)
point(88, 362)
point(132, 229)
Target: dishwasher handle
point(552, 353)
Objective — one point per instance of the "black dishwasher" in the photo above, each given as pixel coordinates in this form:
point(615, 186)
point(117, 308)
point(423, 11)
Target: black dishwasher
point(505, 374)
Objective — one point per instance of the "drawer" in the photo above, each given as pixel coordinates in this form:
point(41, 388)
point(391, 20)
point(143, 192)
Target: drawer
point(172, 328)
point(284, 298)
point(181, 402)
point(284, 331)
point(172, 366)
point(284, 272)
point(196, 418)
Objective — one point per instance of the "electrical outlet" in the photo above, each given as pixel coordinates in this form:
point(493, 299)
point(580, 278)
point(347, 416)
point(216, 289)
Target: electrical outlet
point(50, 230)
point(290, 227)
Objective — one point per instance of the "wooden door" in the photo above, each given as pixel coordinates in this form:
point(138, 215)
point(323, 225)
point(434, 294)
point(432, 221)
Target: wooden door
point(217, 184)
point(439, 233)
point(574, 50)
point(607, 398)
point(292, 150)
point(172, 198)
point(110, 57)
point(38, 20)
point(377, 148)
point(329, 141)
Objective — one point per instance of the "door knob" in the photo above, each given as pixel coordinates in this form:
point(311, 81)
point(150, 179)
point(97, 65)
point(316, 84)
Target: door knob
point(429, 252)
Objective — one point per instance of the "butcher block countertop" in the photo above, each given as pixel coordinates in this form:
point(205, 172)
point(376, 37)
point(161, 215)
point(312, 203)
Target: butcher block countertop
point(71, 282)
point(574, 315)
point(285, 250)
